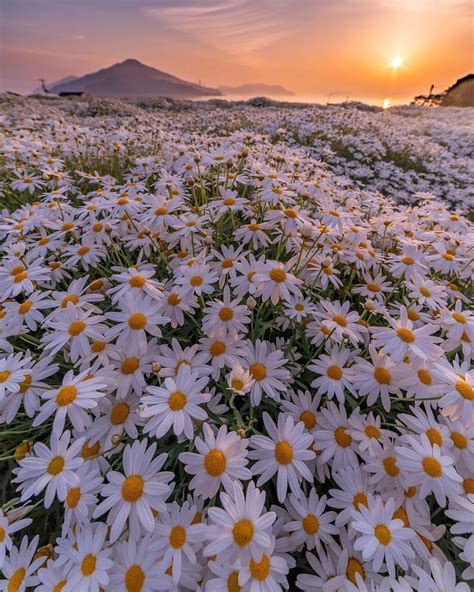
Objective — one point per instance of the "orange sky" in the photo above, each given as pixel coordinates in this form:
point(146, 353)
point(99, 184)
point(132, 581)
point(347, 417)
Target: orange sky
point(312, 47)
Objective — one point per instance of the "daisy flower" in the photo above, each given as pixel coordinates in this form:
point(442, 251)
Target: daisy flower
point(375, 378)
point(457, 400)
point(88, 561)
point(135, 494)
point(284, 452)
point(53, 468)
point(342, 323)
point(20, 567)
point(135, 569)
point(382, 539)
point(226, 313)
point(332, 438)
point(137, 318)
point(72, 399)
point(442, 577)
point(73, 326)
point(311, 525)
point(177, 536)
point(240, 530)
point(239, 381)
point(221, 459)
point(268, 574)
point(335, 377)
point(8, 526)
point(276, 281)
point(175, 404)
point(425, 467)
point(266, 368)
point(12, 373)
point(353, 491)
point(401, 339)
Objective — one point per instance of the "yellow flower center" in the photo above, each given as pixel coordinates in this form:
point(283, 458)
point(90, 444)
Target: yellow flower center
point(90, 451)
point(233, 582)
point(408, 260)
point(16, 580)
point(425, 292)
point(382, 375)
point(465, 390)
point(354, 567)
point(424, 376)
point(360, 498)
point(309, 419)
point(432, 467)
point(260, 570)
point(382, 534)
point(373, 287)
point(283, 452)
point(402, 515)
point(4, 376)
point(137, 321)
point(243, 532)
point(177, 536)
point(25, 307)
point(237, 384)
point(226, 314)
point(129, 365)
point(59, 586)
point(340, 320)
point(410, 492)
point(3, 534)
point(459, 440)
point(310, 524)
point(227, 263)
point(215, 462)
point(76, 328)
point(137, 281)
point(120, 414)
point(82, 251)
point(20, 277)
point(56, 465)
point(390, 466)
point(258, 371)
point(196, 281)
point(459, 318)
point(66, 395)
point(73, 497)
point(412, 315)
point(98, 346)
point(299, 307)
point(468, 485)
point(342, 438)
point(372, 431)
point(70, 298)
point(278, 275)
point(134, 578)
point(177, 401)
point(132, 488)
point(406, 335)
point(290, 213)
point(334, 372)
point(217, 348)
point(88, 565)
point(434, 436)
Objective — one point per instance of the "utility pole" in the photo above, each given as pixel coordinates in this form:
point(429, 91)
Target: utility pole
point(42, 80)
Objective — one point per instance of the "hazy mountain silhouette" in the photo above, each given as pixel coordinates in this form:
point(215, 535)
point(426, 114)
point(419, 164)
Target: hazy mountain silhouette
point(255, 89)
point(131, 78)
point(460, 94)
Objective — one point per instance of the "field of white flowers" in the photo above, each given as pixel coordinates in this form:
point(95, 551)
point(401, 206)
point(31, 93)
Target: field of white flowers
point(236, 347)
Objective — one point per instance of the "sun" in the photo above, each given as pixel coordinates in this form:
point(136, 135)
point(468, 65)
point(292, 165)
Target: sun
point(396, 62)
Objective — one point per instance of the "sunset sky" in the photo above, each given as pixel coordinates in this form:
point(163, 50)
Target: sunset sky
point(313, 47)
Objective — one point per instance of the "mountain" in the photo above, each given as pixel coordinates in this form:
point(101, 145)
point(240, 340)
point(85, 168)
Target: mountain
point(39, 89)
point(131, 78)
point(256, 89)
point(461, 94)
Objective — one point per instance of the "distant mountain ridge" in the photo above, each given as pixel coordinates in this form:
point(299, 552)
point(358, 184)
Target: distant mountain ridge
point(257, 88)
point(131, 78)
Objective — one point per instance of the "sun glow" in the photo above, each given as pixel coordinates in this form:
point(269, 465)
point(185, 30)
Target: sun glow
point(396, 62)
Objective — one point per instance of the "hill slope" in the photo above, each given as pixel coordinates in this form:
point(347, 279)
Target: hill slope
point(131, 78)
point(257, 88)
